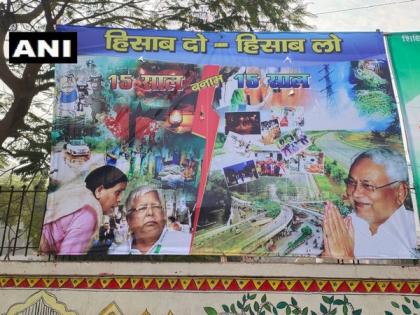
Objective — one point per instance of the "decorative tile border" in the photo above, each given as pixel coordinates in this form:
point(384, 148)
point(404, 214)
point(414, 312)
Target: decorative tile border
point(212, 284)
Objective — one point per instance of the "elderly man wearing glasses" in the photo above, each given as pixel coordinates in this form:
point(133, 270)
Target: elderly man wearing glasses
point(380, 226)
point(146, 219)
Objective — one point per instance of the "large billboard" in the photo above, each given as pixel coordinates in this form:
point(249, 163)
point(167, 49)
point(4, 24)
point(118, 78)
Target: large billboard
point(275, 144)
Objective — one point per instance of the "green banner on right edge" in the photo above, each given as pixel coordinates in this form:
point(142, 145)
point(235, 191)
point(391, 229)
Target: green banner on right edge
point(404, 49)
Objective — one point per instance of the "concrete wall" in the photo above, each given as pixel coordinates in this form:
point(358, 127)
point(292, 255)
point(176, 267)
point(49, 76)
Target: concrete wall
point(206, 288)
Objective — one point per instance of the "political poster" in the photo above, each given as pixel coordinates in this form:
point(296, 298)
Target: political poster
point(274, 144)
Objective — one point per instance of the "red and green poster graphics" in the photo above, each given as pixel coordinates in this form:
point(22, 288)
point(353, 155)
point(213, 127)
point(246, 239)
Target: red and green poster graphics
point(278, 144)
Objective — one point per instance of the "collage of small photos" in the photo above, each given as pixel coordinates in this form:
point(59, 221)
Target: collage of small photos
point(261, 139)
point(264, 169)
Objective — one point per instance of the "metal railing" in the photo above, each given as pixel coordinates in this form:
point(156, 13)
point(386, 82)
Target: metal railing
point(22, 212)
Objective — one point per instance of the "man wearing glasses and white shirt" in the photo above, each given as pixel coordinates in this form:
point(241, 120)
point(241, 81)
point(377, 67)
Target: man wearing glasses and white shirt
point(147, 222)
point(380, 226)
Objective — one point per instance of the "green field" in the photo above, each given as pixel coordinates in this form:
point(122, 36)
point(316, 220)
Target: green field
point(328, 188)
point(367, 140)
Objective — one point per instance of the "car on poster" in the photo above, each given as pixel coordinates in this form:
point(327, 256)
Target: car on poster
point(77, 147)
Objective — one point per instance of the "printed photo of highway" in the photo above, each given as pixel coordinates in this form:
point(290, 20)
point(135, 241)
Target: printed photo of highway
point(281, 215)
point(275, 206)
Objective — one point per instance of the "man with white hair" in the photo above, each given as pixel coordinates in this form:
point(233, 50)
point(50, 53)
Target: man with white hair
point(146, 217)
point(380, 226)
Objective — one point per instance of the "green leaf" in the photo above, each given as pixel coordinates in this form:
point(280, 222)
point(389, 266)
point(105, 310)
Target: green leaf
point(288, 310)
point(245, 297)
point(247, 308)
point(240, 305)
point(326, 299)
point(313, 313)
point(264, 298)
point(225, 308)
point(345, 309)
point(294, 302)
point(416, 304)
point(406, 309)
point(267, 307)
point(346, 300)
point(331, 299)
point(323, 309)
point(252, 296)
point(333, 312)
point(338, 302)
point(305, 311)
point(388, 313)
point(275, 311)
point(256, 306)
point(210, 310)
point(281, 305)
point(251, 312)
point(233, 309)
point(295, 311)
point(262, 313)
point(357, 312)
point(407, 299)
point(395, 304)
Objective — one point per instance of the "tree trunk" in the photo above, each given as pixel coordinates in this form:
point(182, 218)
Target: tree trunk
point(23, 92)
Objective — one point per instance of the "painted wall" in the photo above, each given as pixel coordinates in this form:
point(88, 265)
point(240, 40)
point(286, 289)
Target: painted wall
point(226, 288)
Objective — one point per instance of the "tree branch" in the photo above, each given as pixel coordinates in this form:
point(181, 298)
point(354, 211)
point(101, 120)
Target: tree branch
point(61, 11)
point(7, 151)
point(28, 17)
point(44, 86)
point(48, 15)
point(6, 75)
point(75, 21)
point(23, 91)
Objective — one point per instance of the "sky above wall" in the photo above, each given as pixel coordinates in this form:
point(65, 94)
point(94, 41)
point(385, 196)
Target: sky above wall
point(365, 15)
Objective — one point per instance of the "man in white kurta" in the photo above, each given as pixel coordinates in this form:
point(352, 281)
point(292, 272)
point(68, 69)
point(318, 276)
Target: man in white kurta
point(169, 243)
point(395, 238)
point(380, 226)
